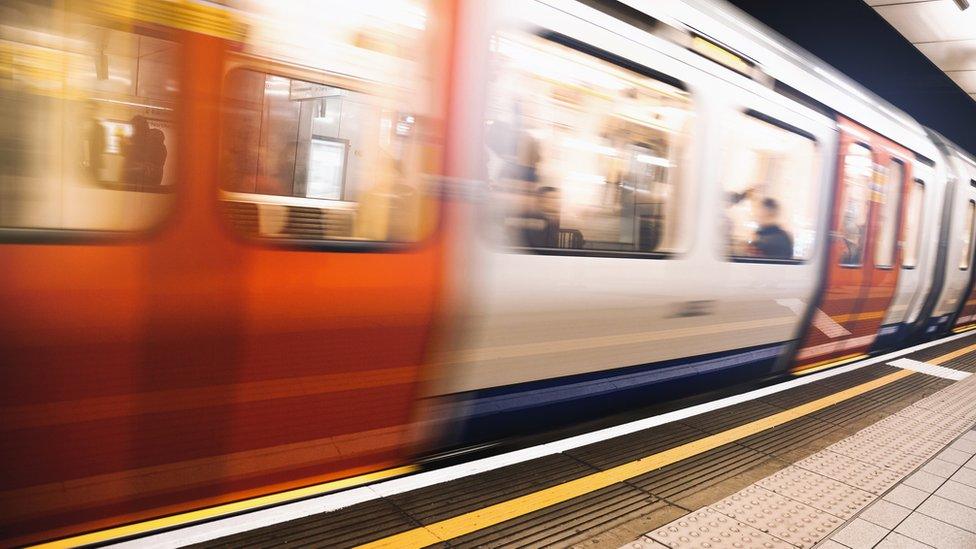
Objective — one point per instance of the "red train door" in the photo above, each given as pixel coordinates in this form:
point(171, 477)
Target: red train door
point(861, 273)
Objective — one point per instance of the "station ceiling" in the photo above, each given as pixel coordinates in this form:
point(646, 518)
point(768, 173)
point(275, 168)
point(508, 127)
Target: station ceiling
point(941, 30)
point(854, 38)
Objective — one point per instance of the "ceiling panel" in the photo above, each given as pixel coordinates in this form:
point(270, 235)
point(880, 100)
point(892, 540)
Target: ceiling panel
point(934, 21)
point(965, 79)
point(892, 2)
point(941, 31)
point(957, 55)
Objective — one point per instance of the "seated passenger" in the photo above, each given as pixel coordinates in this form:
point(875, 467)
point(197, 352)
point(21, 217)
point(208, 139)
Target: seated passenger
point(540, 227)
point(771, 240)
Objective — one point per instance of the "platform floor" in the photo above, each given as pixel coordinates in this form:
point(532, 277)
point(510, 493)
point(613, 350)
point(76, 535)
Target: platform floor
point(908, 480)
point(832, 459)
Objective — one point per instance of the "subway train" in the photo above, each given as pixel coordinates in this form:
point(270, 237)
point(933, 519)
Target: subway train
point(213, 290)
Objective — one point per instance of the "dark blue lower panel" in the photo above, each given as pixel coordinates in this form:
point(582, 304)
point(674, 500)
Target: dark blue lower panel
point(936, 326)
point(533, 407)
point(890, 336)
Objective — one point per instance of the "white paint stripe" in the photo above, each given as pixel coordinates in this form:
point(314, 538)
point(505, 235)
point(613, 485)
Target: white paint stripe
point(330, 502)
point(930, 369)
point(829, 326)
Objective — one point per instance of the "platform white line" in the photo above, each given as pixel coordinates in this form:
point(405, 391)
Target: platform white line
point(930, 369)
point(330, 502)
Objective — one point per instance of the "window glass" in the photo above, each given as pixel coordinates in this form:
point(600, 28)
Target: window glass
point(913, 221)
point(337, 136)
point(884, 252)
point(770, 181)
point(855, 203)
point(88, 138)
point(304, 160)
point(967, 236)
point(582, 154)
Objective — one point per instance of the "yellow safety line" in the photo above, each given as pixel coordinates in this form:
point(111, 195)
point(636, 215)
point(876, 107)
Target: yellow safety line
point(954, 354)
point(184, 519)
point(961, 329)
point(494, 514)
point(483, 518)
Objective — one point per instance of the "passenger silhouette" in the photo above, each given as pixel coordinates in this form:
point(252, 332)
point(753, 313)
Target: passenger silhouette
point(144, 156)
point(771, 240)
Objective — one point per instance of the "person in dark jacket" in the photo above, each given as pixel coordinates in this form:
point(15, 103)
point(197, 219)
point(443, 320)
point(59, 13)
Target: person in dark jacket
point(771, 241)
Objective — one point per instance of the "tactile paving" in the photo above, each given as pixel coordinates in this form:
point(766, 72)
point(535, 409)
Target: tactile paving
point(708, 529)
point(885, 456)
point(818, 491)
point(787, 519)
point(935, 418)
point(866, 443)
point(850, 471)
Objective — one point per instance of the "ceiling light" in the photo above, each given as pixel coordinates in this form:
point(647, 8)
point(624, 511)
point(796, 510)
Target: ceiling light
point(963, 4)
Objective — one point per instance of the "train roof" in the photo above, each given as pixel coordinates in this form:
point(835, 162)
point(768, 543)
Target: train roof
point(780, 59)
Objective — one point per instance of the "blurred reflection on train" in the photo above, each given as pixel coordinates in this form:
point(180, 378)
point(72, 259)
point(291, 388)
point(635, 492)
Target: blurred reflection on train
point(259, 246)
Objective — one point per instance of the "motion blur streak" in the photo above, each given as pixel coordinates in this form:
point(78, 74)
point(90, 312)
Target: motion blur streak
point(258, 246)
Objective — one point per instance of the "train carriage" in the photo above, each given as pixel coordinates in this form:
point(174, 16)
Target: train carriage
point(221, 265)
point(259, 250)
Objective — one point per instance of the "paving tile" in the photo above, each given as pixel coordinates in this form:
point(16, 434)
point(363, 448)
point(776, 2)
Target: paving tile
point(860, 534)
point(965, 476)
point(906, 496)
point(935, 533)
point(708, 528)
point(643, 543)
point(850, 471)
point(926, 482)
point(950, 512)
point(831, 544)
point(884, 513)
point(954, 456)
point(818, 491)
point(958, 492)
point(940, 468)
point(895, 540)
point(964, 445)
point(971, 463)
point(969, 435)
point(787, 519)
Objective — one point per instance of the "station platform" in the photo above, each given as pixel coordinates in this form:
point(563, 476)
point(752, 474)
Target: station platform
point(874, 453)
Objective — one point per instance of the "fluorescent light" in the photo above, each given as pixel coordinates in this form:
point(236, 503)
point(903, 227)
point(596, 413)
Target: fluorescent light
point(653, 160)
point(963, 4)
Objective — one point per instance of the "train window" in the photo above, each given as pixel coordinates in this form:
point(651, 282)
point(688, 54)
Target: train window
point(769, 182)
point(967, 236)
point(913, 224)
point(583, 154)
point(884, 251)
point(88, 139)
point(310, 161)
point(855, 203)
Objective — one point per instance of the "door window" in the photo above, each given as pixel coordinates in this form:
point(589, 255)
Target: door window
point(913, 223)
point(310, 161)
point(88, 132)
point(884, 252)
point(967, 236)
point(855, 203)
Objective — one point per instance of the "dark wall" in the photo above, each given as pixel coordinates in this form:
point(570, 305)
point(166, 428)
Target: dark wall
point(851, 37)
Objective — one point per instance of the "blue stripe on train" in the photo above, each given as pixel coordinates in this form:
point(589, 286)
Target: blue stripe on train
point(890, 336)
point(528, 407)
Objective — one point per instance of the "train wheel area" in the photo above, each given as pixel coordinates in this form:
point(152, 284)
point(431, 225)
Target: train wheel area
point(834, 454)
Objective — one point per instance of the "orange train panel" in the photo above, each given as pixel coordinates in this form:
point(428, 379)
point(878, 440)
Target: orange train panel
point(856, 296)
point(190, 368)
